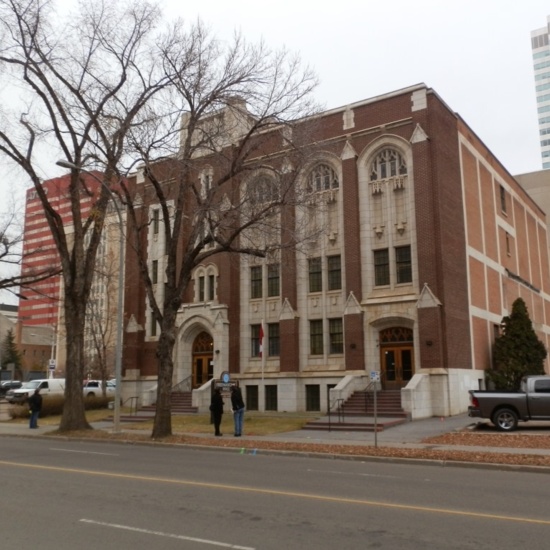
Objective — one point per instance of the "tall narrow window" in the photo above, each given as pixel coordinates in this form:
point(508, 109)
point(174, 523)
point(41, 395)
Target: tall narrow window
point(201, 288)
point(381, 267)
point(211, 287)
point(256, 289)
point(334, 269)
point(316, 337)
point(313, 397)
point(206, 183)
point(273, 280)
point(153, 325)
point(255, 340)
point(403, 264)
point(156, 220)
point(336, 335)
point(315, 275)
point(503, 199)
point(155, 272)
point(271, 397)
point(274, 339)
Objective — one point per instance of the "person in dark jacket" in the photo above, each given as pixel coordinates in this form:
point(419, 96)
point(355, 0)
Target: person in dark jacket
point(216, 407)
point(237, 406)
point(35, 406)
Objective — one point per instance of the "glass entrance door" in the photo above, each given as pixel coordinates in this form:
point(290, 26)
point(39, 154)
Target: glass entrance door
point(203, 359)
point(203, 369)
point(397, 366)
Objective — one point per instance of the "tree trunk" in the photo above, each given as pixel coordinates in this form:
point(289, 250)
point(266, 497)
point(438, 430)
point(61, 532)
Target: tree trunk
point(162, 426)
point(74, 415)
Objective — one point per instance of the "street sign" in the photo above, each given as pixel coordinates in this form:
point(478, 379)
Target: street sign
point(375, 376)
point(51, 364)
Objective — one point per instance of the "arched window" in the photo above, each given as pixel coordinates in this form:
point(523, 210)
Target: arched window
point(263, 189)
point(206, 283)
point(389, 163)
point(322, 178)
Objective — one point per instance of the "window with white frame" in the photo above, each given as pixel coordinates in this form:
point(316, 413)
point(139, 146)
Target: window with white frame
point(273, 280)
point(155, 220)
point(336, 335)
point(263, 189)
point(334, 272)
point(388, 163)
point(273, 340)
point(316, 337)
point(205, 278)
point(255, 340)
point(256, 282)
point(315, 269)
point(322, 178)
point(403, 264)
point(206, 179)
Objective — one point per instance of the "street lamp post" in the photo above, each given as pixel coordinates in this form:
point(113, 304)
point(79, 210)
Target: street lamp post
point(119, 321)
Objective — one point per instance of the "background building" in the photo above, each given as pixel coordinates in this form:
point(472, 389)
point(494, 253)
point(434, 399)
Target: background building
point(428, 240)
point(541, 62)
point(42, 306)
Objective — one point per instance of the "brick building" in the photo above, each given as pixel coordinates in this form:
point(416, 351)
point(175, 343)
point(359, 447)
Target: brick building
point(427, 241)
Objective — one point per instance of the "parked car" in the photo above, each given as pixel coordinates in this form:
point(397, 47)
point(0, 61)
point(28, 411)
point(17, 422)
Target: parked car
point(505, 409)
point(94, 388)
point(49, 387)
point(7, 385)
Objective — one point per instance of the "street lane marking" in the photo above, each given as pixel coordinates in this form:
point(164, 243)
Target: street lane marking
point(309, 496)
point(83, 452)
point(336, 472)
point(166, 535)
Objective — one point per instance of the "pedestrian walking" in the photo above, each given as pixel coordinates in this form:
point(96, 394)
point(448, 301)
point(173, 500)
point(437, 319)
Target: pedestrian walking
point(216, 408)
point(238, 407)
point(35, 406)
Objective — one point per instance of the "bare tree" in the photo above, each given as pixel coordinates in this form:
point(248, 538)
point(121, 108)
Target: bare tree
point(231, 107)
point(101, 315)
point(11, 255)
point(83, 81)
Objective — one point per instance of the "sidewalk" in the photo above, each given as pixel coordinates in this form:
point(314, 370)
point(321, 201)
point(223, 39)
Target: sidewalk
point(407, 436)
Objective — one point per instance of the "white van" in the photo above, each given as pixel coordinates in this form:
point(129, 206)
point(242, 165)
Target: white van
point(47, 386)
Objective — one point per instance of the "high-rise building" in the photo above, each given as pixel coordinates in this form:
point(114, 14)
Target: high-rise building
point(41, 305)
point(540, 43)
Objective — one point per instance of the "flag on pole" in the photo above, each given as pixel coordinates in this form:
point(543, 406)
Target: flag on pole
point(261, 338)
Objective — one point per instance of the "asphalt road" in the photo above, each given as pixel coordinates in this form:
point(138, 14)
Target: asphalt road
point(68, 495)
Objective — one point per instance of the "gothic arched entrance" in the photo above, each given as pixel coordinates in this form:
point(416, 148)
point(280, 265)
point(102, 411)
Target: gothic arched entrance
point(203, 359)
point(396, 357)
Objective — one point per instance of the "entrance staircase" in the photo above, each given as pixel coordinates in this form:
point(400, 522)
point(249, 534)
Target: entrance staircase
point(181, 404)
point(357, 413)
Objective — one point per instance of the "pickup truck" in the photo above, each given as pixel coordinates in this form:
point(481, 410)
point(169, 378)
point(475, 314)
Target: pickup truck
point(505, 409)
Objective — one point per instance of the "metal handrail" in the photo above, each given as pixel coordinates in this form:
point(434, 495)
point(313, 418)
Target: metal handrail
point(184, 385)
point(338, 404)
point(134, 405)
point(369, 387)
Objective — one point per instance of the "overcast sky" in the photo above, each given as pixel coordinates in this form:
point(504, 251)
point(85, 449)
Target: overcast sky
point(476, 54)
